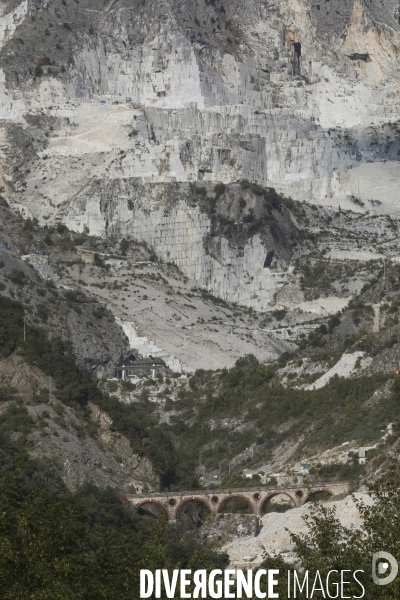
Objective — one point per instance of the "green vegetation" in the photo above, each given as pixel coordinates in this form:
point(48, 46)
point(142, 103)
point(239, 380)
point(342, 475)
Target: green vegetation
point(237, 506)
point(321, 277)
point(30, 224)
point(200, 191)
point(38, 71)
point(99, 262)
point(74, 387)
point(253, 392)
point(341, 472)
point(54, 357)
point(272, 200)
point(99, 312)
point(17, 277)
point(124, 245)
point(55, 545)
point(249, 391)
point(236, 481)
point(328, 545)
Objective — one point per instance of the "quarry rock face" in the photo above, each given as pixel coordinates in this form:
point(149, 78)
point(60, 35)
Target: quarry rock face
point(113, 111)
point(229, 526)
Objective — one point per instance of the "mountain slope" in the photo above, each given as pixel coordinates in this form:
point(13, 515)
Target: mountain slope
point(135, 101)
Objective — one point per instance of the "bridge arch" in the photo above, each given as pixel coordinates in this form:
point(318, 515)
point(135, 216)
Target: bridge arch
point(151, 501)
point(225, 501)
point(310, 495)
point(267, 499)
point(179, 508)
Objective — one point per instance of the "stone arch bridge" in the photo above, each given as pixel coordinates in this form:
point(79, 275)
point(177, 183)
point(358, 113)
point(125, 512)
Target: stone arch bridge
point(215, 500)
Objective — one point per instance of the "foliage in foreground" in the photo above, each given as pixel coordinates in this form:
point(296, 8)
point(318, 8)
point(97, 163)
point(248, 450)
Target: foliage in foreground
point(55, 545)
point(328, 545)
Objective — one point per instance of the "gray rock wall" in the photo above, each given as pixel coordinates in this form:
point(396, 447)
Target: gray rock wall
point(299, 96)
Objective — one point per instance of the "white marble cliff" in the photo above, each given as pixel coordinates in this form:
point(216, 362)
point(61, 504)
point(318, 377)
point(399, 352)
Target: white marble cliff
point(109, 107)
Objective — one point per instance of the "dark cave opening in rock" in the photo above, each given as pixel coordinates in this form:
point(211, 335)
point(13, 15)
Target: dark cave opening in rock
point(296, 58)
point(269, 259)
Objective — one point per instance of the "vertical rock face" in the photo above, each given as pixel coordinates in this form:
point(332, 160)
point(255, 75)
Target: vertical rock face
point(300, 95)
point(9, 21)
point(182, 234)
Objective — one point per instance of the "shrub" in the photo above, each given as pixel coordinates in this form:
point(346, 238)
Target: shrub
point(43, 312)
point(17, 277)
point(219, 189)
point(124, 245)
point(200, 191)
point(99, 312)
point(38, 71)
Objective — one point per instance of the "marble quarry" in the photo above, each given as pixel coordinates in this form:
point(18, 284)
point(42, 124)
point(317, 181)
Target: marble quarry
point(108, 109)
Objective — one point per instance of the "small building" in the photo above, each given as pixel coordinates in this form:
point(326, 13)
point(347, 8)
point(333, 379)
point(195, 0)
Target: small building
point(135, 367)
point(362, 459)
point(88, 258)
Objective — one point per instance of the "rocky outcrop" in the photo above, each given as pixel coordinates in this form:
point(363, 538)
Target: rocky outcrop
point(129, 96)
point(104, 459)
point(25, 379)
point(229, 526)
point(139, 466)
point(248, 551)
point(97, 341)
point(83, 453)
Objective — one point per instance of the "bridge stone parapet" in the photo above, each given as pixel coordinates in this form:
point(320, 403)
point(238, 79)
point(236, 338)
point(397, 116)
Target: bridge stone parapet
point(215, 500)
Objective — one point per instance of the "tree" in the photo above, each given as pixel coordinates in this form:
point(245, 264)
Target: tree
point(396, 391)
point(55, 545)
point(124, 245)
point(246, 361)
point(329, 545)
point(38, 71)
